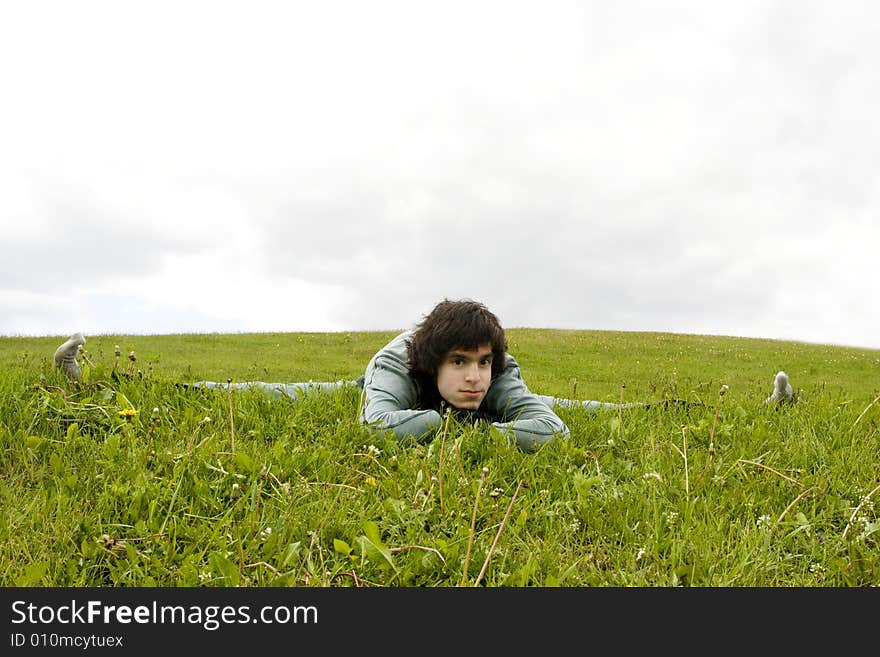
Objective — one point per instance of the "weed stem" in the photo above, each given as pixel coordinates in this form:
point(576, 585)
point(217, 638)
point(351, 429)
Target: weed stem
point(876, 399)
point(795, 501)
point(440, 466)
point(467, 554)
point(498, 534)
point(715, 421)
point(231, 416)
point(684, 444)
point(767, 467)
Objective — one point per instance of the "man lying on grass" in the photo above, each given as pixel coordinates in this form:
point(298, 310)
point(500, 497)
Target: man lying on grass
point(456, 359)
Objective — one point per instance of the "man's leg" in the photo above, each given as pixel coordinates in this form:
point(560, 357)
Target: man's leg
point(291, 390)
point(591, 405)
point(588, 404)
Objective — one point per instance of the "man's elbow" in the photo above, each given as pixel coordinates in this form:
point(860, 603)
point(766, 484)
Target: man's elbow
point(414, 426)
point(530, 438)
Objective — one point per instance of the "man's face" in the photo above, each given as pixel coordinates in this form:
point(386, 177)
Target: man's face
point(464, 376)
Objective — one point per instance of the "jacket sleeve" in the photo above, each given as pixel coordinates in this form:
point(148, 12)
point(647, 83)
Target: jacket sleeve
point(390, 395)
point(522, 412)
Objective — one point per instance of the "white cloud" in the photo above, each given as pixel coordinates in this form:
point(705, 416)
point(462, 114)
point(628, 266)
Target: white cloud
point(194, 166)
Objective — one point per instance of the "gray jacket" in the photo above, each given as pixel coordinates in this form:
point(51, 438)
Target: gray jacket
point(391, 397)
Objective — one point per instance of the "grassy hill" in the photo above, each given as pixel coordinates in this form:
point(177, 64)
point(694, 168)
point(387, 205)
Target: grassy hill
point(137, 481)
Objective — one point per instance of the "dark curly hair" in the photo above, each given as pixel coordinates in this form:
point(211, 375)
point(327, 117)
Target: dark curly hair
point(464, 324)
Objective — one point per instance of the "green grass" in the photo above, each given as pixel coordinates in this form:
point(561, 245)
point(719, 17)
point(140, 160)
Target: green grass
point(201, 488)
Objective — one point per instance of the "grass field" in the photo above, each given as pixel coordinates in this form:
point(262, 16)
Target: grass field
point(128, 479)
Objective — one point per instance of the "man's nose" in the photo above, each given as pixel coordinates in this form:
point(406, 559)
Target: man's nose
point(473, 372)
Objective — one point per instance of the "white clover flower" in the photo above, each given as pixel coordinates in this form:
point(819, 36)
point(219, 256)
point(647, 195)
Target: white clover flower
point(764, 521)
point(640, 554)
point(671, 517)
point(869, 529)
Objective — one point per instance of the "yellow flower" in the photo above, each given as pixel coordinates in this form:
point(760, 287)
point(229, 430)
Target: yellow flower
point(127, 413)
point(371, 481)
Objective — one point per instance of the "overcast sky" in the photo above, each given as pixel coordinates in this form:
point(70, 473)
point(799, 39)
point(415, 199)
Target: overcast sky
point(691, 167)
